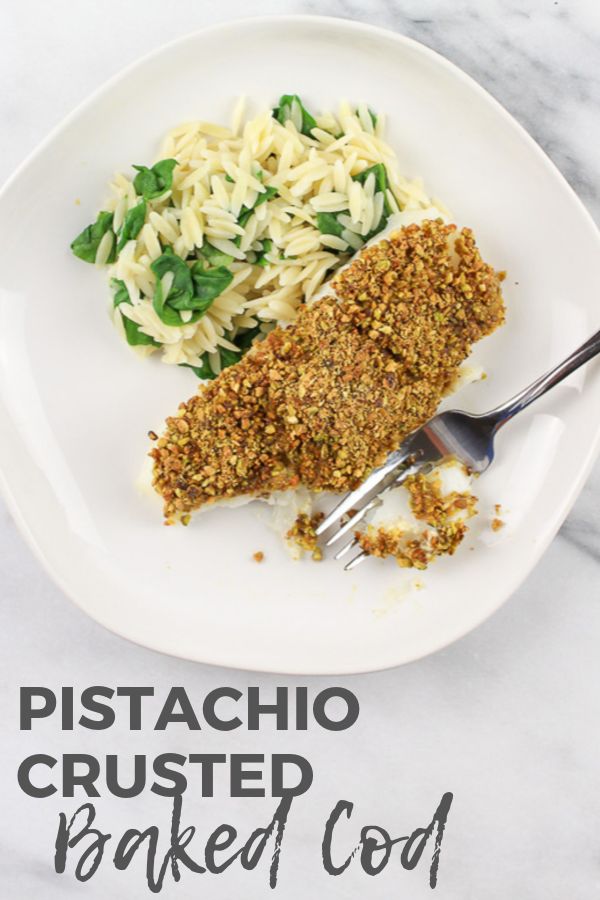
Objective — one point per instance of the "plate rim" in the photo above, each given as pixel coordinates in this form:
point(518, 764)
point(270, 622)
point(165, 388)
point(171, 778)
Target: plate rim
point(561, 511)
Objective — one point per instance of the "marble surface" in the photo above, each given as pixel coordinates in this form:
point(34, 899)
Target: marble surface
point(507, 718)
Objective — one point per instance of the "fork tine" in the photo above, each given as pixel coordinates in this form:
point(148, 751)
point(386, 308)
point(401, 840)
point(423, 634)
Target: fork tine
point(356, 561)
point(376, 501)
point(369, 489)
point(372, 504)
point(349, 546)
point(357, 499)
point(354, 520)
point(404, 475)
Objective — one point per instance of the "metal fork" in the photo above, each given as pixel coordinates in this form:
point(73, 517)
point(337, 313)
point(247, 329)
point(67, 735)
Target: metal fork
point(466, 437)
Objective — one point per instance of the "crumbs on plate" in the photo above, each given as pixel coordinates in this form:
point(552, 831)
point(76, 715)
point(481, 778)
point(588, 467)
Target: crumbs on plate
point(444, 513)
point(497, 522)
point(303, 533)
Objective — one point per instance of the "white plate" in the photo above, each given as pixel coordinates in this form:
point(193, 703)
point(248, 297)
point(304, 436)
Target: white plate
point(75, 404)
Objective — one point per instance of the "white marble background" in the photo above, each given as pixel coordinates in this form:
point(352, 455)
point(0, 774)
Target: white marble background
point(507, 718)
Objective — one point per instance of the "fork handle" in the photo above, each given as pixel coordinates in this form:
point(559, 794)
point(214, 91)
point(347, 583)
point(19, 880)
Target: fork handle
point(502, 414)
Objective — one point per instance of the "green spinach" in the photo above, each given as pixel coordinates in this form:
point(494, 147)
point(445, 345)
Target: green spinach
point(203, 372)
point(154, 182)
point(132, 224)
point(381, 182)
point(180, 293)
point(86, 244)
point(208, 285)
point(372, 115)
point(246, 211)
point(261, 258)
point(192, 289)
point(288, 104)
point(227, 357)
point(246, 338)
point(135, 337)
point(215, 257)
point(328, 223)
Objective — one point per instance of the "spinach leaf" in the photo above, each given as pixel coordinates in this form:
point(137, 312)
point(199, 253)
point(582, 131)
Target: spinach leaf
point(246, 211)
point(192, 289)
point(120, 292)
point(267, 194)
point(228, 357)
point(85, 245)
point(378, 170)
point(290, 106)
point(181, 290)
point(377, 229)
point(215, 257)
point(132, 224)
point(244, 342)
point(381, 182)
point(152, 183)
point(245, 339)
point(328, 223)
point(208, 284)
point(261, 259)
point(371, 114)
point(203, 372)
point(134, 336)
